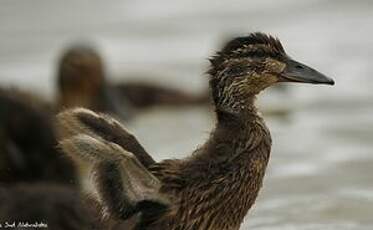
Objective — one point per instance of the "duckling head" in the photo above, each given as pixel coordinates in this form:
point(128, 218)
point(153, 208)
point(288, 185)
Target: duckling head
point(80, 76)
point(247, 65)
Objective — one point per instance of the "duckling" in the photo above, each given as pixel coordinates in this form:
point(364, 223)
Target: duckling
point(215, 187)
point(28, 150)
point(82, 82)
point(38, 184)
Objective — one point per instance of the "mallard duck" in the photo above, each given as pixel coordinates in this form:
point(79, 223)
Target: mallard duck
point(216, 186)
point(82, 82)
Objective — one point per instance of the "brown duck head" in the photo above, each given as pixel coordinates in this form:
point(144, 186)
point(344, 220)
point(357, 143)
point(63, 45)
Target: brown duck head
point(247, 65)
point(81, 77)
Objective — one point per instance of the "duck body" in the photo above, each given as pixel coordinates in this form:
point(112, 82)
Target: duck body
point(142, 95)
point(217, 185)
point(212, 189)
point(38, 184)
point(28, 142)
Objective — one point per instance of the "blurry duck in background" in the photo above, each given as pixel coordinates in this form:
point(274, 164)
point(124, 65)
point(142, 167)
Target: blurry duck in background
point(28, 143)
point(37, 183)
point(82, 82)
point(216, 186)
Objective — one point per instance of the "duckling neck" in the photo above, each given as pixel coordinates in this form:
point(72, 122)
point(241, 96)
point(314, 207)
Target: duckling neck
point(235, 160)
point(243, 130)
point(241, 112)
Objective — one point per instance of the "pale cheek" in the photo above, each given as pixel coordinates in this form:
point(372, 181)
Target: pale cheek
point(263, 81)
point(255, 85)
point(270, 79)
point(275, 66)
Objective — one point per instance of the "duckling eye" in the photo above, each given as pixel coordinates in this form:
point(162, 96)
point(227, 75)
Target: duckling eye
point(236, 71)
point(299, 67)
point(259, 53)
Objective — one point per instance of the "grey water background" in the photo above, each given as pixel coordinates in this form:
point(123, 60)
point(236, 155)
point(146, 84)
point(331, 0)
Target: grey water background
point(321, 172)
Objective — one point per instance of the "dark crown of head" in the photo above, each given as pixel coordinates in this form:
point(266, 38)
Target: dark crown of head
point(255, 45)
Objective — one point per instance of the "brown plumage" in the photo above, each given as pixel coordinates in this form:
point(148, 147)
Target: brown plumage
point(37, 182)
point(28, 143)
point(216, 186)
